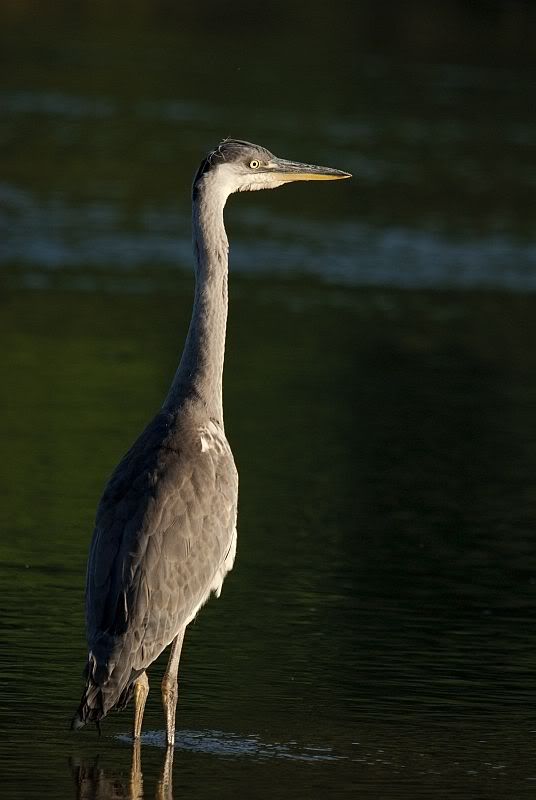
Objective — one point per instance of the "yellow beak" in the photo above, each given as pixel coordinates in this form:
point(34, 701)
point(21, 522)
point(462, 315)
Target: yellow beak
point(295, 171)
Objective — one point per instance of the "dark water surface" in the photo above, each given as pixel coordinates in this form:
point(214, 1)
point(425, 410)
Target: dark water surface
point(376, 638)
point(377, 633)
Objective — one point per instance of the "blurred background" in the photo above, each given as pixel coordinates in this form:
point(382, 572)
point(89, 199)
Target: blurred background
point(377, 634)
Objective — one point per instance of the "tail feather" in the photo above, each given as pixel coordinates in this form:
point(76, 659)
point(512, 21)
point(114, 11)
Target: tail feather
point(91, 708)
point(99, 699)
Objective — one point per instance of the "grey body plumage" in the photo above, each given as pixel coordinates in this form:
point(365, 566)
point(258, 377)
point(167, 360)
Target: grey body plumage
point(165, 530)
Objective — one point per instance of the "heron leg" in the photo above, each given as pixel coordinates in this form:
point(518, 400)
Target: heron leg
point(170, 690)
point(141, 690)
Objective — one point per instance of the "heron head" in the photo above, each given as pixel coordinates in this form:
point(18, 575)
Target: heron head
point(237, 166)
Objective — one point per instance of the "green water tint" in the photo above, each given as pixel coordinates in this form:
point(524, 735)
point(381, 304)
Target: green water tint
point(375, 638)
point(379, 614)
point(103, 124)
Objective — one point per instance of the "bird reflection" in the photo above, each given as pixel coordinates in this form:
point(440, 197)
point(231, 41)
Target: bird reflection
point(92, 782)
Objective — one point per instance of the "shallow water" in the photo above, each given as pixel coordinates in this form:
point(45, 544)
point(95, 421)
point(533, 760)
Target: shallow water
point(376, 637)
point(376, 634)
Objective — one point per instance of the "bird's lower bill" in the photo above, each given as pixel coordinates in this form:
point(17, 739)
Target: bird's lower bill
point(310, 176)
point(287, 171)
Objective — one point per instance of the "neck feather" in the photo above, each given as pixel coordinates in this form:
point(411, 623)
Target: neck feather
point(200, 372)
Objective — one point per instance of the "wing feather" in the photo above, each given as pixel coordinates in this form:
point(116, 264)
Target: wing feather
point(164, 528)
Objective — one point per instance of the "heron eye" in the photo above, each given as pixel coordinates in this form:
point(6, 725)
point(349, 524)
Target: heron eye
point(254, 164)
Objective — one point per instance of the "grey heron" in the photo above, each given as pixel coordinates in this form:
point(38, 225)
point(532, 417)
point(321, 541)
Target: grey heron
point(165, 529)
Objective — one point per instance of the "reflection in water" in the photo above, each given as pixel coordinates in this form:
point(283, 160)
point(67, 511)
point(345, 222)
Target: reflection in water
point(384, 600)
point(92, 782)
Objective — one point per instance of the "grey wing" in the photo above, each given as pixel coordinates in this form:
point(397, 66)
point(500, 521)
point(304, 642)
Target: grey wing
point(164, 538)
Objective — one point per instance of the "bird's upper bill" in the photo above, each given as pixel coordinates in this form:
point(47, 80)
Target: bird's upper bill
point(295, 171)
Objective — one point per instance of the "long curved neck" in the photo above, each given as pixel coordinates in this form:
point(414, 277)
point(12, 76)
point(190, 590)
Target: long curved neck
point(200, 371)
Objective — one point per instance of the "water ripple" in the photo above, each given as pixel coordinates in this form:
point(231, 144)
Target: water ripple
point(221, 743)
point(53, 234)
